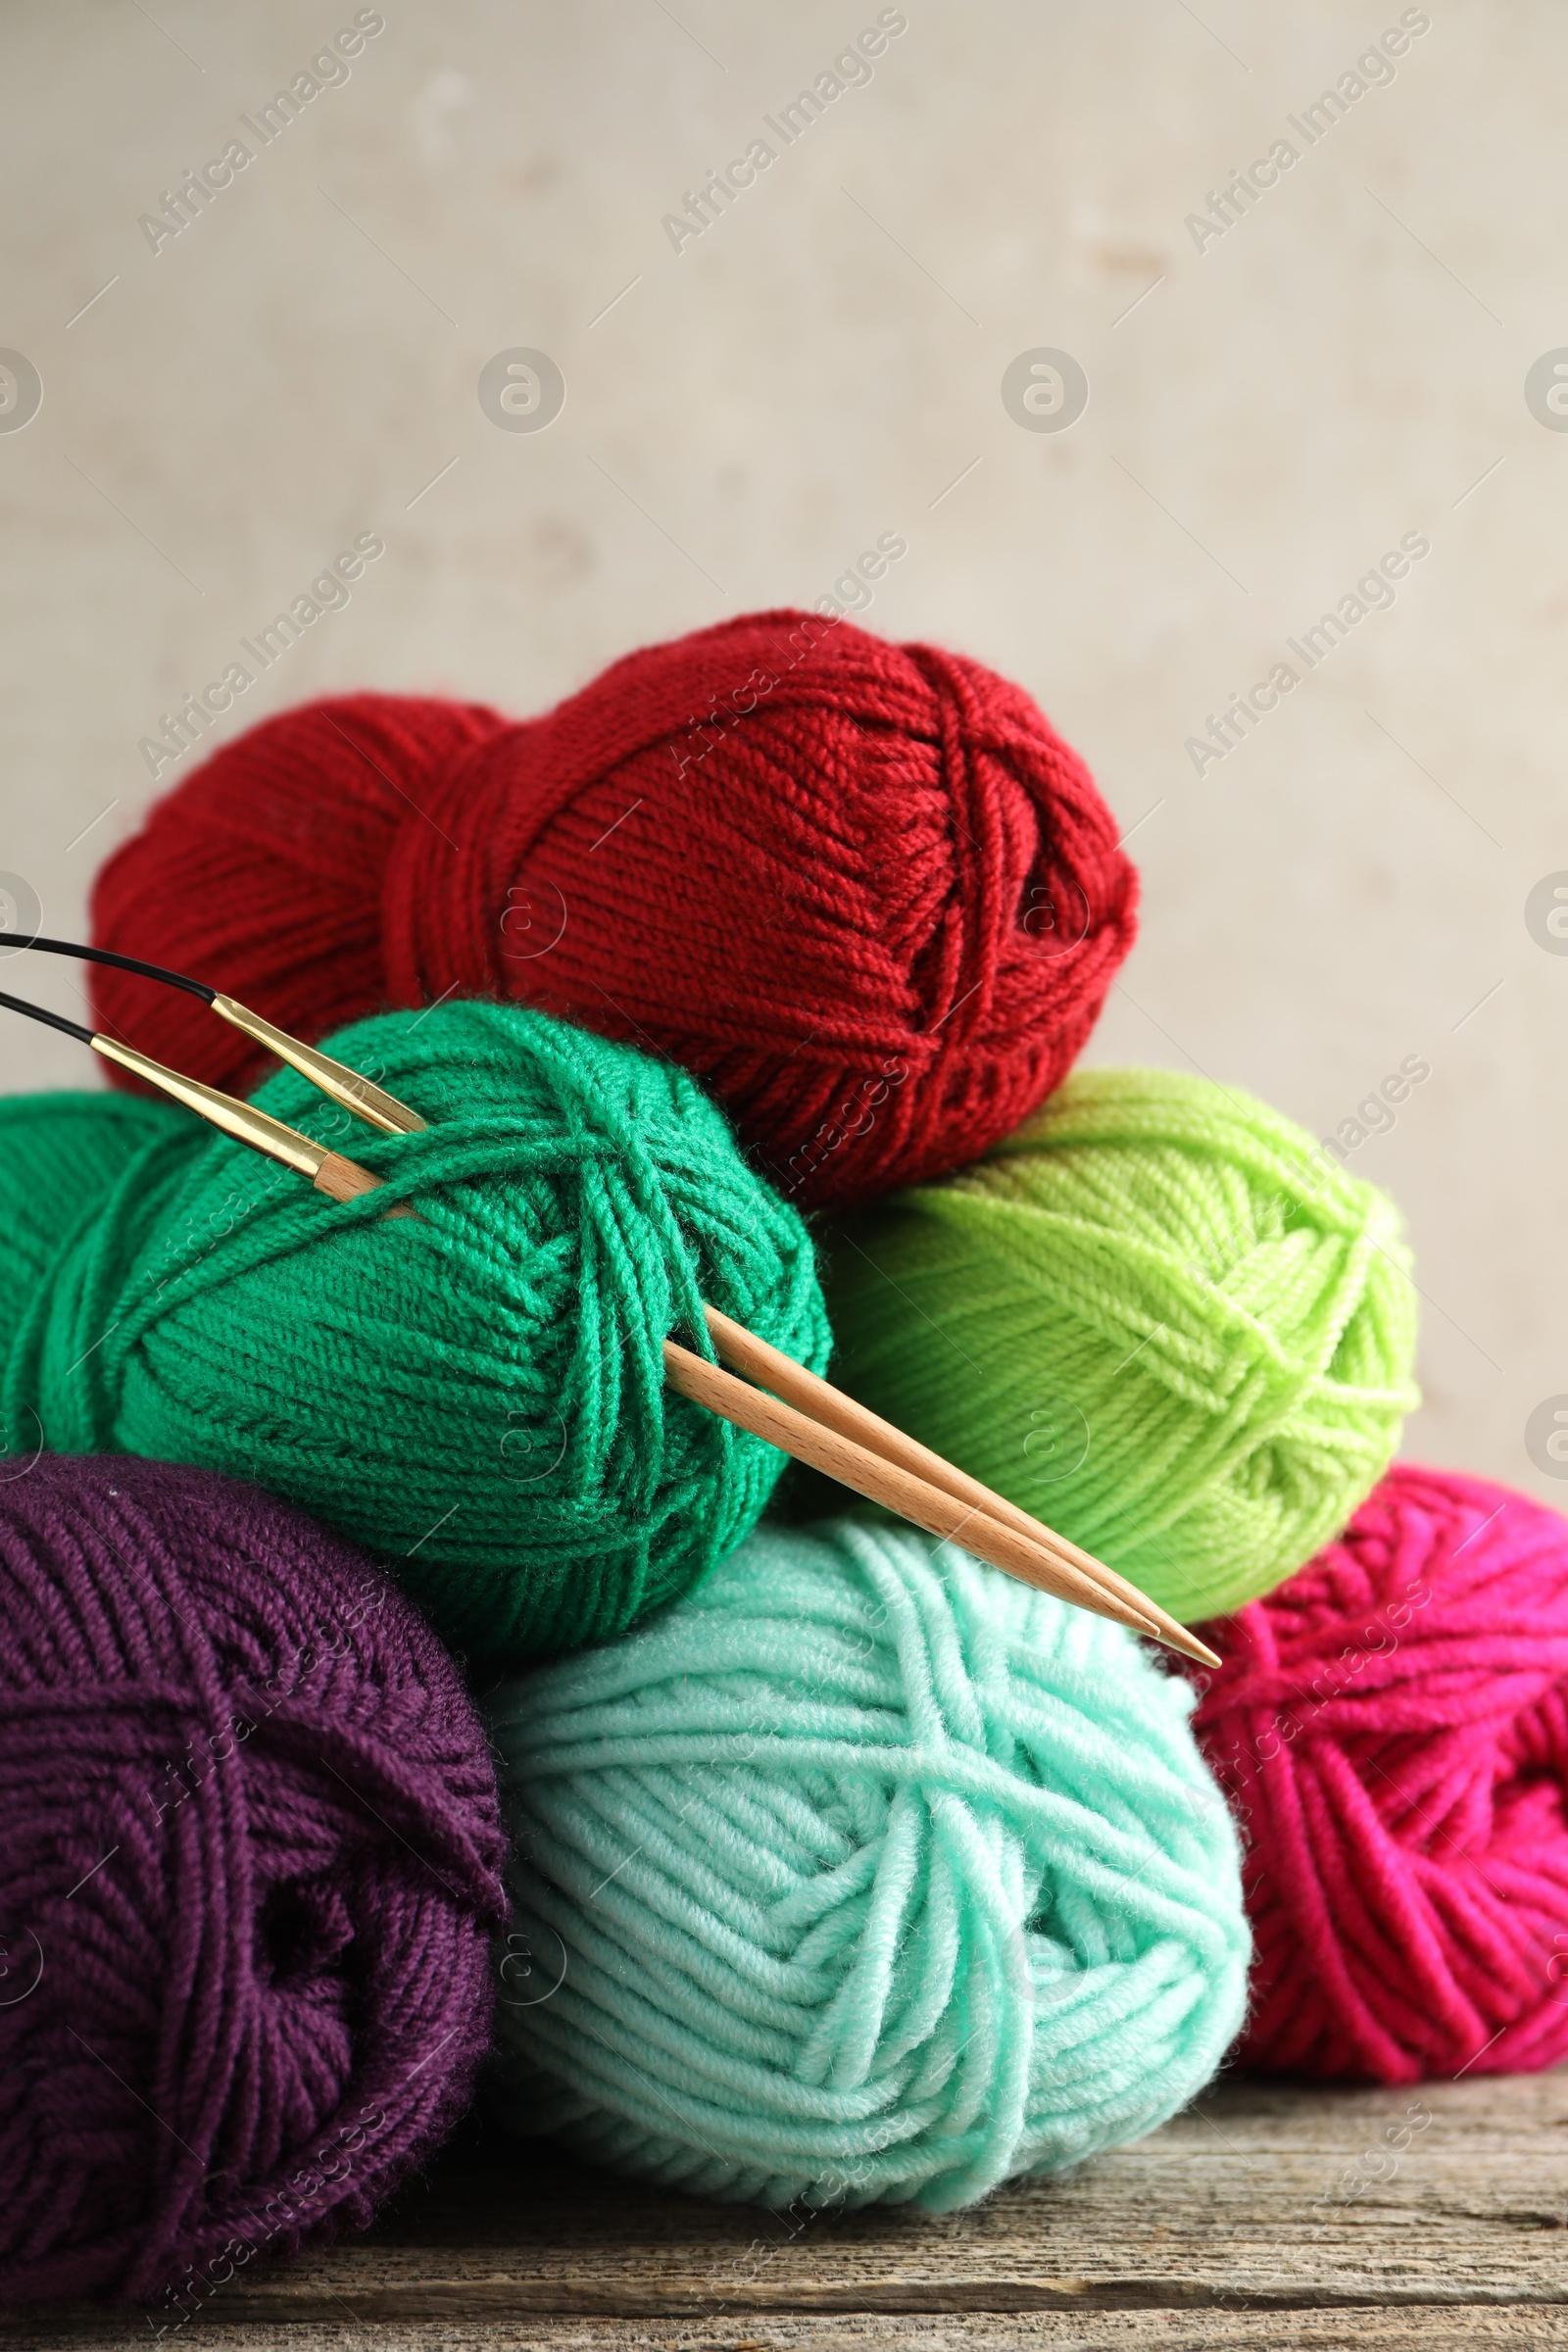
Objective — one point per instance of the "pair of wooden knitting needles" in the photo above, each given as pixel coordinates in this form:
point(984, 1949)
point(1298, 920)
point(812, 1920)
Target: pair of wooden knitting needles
point(790, 1408)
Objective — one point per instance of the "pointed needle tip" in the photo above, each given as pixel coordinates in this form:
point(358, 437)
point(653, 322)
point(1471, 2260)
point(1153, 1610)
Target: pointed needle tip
point(1194, 1649)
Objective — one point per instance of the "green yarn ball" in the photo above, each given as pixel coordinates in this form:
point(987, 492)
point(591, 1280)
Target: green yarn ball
point(1156, 1317)
point(863, 1875)
point(475, 1391)
point(60, 1151)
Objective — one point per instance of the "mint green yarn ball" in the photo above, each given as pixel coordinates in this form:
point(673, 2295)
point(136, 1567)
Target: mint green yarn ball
point(475, 1392)
point(1158, 1317)
point(863, 1875)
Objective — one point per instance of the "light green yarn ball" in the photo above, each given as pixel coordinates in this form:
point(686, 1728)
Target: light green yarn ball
point(1158, 1317)
point(863, 1875)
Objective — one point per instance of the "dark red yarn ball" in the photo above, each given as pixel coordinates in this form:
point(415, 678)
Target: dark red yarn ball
point(863, 891)
point(1391, 1728)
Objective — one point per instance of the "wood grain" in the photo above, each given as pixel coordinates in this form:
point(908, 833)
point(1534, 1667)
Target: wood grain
point(1264, 2217)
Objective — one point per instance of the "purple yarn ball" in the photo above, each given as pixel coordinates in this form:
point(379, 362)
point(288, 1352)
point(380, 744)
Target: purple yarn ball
point(250, 1859)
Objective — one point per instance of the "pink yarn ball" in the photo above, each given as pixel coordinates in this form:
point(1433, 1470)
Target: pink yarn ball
point(1392, 1726)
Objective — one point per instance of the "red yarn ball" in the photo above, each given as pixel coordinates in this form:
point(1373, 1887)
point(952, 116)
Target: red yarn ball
point(863, 890)
point(1391, 1725)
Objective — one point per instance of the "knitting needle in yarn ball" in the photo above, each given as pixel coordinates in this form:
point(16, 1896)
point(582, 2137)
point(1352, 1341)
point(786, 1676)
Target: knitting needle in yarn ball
point(1392, 1728)
point(861, 1876)
point(863, 890)
point(475, 1391)
point(250, 1859)
point(1158, 1317)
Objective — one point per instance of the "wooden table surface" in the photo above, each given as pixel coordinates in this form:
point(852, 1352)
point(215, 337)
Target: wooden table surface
point(1266, 2216)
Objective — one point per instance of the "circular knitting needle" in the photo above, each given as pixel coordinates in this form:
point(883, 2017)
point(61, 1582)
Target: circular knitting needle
point(898, 1489)
point(807, 1417)
point(331, 1173)
point(355, 1093)
point(744, 1352)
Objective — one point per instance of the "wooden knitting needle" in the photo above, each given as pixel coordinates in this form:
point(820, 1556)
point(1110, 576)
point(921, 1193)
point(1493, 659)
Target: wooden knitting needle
point(743, 1352)
point(903, 1493)
point(818, 1400)
point(867, 1442)
point(825, 1429)
point(807, 1417)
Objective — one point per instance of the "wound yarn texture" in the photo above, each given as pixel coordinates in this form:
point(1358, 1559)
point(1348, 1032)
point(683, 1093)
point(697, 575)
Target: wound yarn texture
point(1392, 1726)
point(1156, 1317)
point(476, 1392)
point(251, 1856)
point(863, 1875)
point(863, 890)
point(60, 1151)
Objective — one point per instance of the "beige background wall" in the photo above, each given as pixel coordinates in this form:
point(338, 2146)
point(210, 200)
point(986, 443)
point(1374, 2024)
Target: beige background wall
point(1345, 365)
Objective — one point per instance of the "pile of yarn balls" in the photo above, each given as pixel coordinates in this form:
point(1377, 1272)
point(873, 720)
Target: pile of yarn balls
point(406, 1691)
